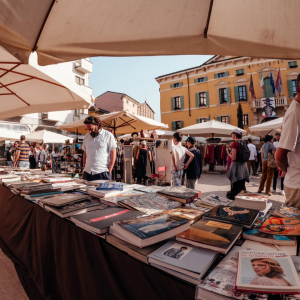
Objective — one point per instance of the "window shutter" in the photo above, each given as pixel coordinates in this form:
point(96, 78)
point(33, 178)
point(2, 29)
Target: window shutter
point(242, 71)
point(181, 103)
point(172, 85)
point(207, 98)
point(226, 74)
point(196, 80)
point(228, 95)
point(220, 100)
point(236, 94)
point(197, 121)
point(172, 103)
point(246, 94)
point(197, 99)
point(180, 83)
point(216, 75)
point(219, 119)
point(205, 78)
point(208, 119)
point(290, 87)
point(228, 119)
point(181, 124)
point(173, 126)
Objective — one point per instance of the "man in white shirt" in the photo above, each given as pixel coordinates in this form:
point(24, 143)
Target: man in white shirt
point(99, 151)
point(178, 155)
point(288, 151)
point(252, 159)
point(43, 155)
point(276, 172)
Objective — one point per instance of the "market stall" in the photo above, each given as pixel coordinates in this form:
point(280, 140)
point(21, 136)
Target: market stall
point(270, 127)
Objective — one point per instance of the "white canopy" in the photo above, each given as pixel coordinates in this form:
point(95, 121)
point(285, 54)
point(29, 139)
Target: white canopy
point(31, 88)
point(270, 127)
point(130, 28)
point(45, 136)
point(120, 122)
point(206, 129)
point(163, 134)
point(9, 135)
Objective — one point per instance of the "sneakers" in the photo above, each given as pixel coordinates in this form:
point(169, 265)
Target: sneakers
point(270, 194)
point(282, 193)
point(259, 192)
point(273, 191)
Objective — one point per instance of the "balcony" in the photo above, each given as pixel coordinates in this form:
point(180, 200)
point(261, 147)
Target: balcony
point(83, 66)
point(279, 102)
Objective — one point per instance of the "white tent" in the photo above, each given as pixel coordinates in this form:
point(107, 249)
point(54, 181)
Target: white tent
point(9, 135)
point(31, 88)
point(54, 29)
point(45, 136)
point(207, 129)
point(270, 127)
point(120, 122)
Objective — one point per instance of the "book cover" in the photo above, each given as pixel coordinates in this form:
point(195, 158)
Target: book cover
point(153, 225)
point(287, 212)
point(252, 197)
point(63, 199)
point(216, 234)
point(179, 255)
point(232, 214)
point(110, 186)
point(266, 271)
point(179, 192)
point(213, 200)
point(148, 189)
point(121, 196)
point(149, 203)
point(281, 226)
point(185, 212)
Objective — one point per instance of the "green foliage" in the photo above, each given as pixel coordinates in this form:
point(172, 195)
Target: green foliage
point(240, 116)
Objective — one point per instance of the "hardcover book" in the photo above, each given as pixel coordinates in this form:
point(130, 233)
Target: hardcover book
point(211, 235)
point(213, 200)
point(101, 193)
point(180, 194)
point(287, 212)
point(149, 189)
point(110, 186)
point(249, 200)
point(113, 201)
point(232, 214)
point(185, 212)
point(63, 199)
point(149, 203)
point(281, 226)
point(266, 271)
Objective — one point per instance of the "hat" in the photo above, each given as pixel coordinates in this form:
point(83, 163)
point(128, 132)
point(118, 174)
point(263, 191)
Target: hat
point(236, 130)
point(191, 139)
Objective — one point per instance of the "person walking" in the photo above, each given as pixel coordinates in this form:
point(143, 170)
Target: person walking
point(100, 154)
point(238, 172)
point(276, 171)
point(22, 155)
point(267, 172)
point(251, 163)
point(178, 153)
point(194, 170)
point(143, 168)
point(288, 151)
point(32, 155)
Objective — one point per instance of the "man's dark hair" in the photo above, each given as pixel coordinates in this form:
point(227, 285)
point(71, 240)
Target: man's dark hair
point(22, 138)
point(249, 140)
point(183, 248)
point(268, 138)
point(93, 120)
point(278, 133)
point(178, 136)
point(239, 136)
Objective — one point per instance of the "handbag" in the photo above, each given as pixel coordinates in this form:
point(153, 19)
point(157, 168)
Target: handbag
point(271, 159)
point(145, 134)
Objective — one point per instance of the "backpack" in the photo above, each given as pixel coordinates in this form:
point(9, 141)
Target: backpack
point(243, 154)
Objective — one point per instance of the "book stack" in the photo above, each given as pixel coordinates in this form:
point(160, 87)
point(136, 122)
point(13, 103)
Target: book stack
point(113, 201)
point(57, 179)
point(37, 190)
point(182, 195)
point(61, 200)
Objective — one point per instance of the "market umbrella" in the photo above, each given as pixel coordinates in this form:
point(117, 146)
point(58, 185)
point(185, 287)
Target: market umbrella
point(55, 29)
point(119, 122)
point(270, 127)
point(26, 89)
point(210, 129)
point(9, 135)
point(45, 136)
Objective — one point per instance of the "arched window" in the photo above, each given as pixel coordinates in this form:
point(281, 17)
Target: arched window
point(268, 88)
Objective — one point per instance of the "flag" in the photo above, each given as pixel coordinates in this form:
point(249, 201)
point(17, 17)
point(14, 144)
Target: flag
point(251, 88)
point(278, 82)
point(262, 82)
point(272, 83)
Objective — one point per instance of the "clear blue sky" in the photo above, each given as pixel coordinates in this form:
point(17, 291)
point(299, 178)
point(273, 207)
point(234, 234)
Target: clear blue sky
point(135, 76)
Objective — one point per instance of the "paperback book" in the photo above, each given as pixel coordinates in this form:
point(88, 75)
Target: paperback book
point(281, 226)
point(211, 235)
point(287, 212)
point(249, 200)
point(63, 199)
point(233, 214)
point(113, 201)
point(110, 186)
point(185, 212)
point(213, 200)
point(148, 189)
point(267, 272)
point(180, 194)
point(101, 193)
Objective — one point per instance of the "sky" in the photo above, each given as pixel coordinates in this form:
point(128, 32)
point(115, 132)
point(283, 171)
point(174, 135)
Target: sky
point(135, 76)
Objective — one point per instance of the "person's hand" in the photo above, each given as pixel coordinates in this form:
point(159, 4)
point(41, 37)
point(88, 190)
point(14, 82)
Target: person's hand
point(256, 160)
point(176, 169)
point(281, 173)
point(185, 166)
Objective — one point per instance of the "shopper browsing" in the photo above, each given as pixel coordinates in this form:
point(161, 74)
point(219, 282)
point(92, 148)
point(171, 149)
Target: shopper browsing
point(194, 170)
point(22, 155)
point(43, 156)
point(143, 168)
point(276, 171)
point(99, 148)
point(178, 155)
point(251, 163)
point(288, 151)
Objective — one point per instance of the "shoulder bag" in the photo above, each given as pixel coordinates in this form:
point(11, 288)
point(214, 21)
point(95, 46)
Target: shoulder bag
point(271, 159)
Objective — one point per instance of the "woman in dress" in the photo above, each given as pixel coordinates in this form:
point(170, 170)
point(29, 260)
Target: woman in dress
point(143, 168)
point(269, 272)
point(55, 158)
point(32, 155)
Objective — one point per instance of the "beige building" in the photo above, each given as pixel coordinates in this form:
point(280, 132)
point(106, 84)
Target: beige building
point(145, 110)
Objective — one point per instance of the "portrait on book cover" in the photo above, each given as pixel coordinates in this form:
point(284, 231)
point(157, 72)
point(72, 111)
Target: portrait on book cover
point(266, 272)
point(177, 251)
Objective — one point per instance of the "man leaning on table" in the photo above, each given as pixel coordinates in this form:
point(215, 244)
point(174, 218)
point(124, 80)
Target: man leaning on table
point(99, 147)
point(288, 151)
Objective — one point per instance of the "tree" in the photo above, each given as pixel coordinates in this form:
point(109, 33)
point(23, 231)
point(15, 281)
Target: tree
point(240, 116)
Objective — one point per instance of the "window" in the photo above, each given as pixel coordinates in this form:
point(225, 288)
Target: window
point(223, 95)
point(239, 72)
point(177, 103)
point(225, 119)
point(293, 64)
point(200, 79)
point(221, 74)
point(202, 99)
point(79, 80)
point(127, 101)
point(294, 87)
point(202, 120)
point(246, 120)
point(268, 88)
point(176, 85)
point(133, 104)
point(242, 93)
point(178, 125)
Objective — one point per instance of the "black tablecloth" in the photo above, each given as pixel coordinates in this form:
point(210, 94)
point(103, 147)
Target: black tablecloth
point(56, 260)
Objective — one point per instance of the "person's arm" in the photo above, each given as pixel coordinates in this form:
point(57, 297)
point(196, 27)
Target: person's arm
point(191, 155)
point(137, 154)
point(150, 159)
point(200, 163)
point(233, 154)
point(262, 154)
point(17, 157)
point(281, 157)
point(174, 160)
point(84, 159)
point(113, 156)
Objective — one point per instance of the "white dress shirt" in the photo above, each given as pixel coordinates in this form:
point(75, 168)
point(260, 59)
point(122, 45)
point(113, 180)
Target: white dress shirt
point(253, 151)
